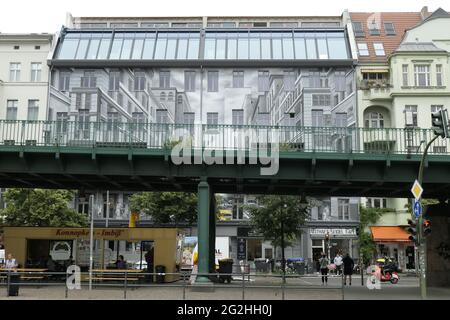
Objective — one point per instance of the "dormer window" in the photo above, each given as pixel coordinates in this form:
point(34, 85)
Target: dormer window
point(389, 29)
point(374, 28)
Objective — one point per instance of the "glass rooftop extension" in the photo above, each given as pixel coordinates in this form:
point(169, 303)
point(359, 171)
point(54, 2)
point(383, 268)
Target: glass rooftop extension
point(238, 45)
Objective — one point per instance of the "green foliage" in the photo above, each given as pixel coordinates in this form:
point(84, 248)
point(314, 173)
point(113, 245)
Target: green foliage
point(40, 208)
point(425, 203)
point(166, 207)
point(368, 217)
point(266, 217)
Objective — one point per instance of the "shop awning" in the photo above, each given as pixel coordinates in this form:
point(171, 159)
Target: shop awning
point(374, 70)
point(389, 234)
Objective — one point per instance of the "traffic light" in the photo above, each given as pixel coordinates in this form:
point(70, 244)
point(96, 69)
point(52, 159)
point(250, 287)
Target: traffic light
point(412, 230)
point(426, 229)
point(439, 122)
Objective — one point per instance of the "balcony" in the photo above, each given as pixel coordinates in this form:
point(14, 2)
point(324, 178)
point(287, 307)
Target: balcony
point(376, 89)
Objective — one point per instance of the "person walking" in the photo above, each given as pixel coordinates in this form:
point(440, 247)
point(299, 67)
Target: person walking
point(348, 268)
point(324, 262)
point(338, 263)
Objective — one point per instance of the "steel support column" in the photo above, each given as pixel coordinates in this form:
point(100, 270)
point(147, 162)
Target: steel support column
point(212, 233)
point(203, 225)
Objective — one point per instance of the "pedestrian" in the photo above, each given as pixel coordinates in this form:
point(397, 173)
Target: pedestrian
point(10, 262)
point(323, 261)
point(348, 268)
point(338, 263)
point(149, 258)
point(121, 264)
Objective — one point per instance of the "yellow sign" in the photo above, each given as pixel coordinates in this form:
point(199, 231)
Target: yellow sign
point(417, 190)
point(134, 218)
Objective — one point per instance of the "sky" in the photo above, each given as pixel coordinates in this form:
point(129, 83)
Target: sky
point(21, 16)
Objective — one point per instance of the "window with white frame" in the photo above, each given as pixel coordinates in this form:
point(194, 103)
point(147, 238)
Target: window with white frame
point(212, 118)
point(405, 69)
point(343, 209)
point(374, 120)
point(164, 79)
point(162, 116)
point(36, 70)
point(189, 81)
point(422, 75)
point(33, 110)
point(139, 81)
point(436, 107)
point(379, 203)
point(64, 81)
point(11, 109)
point(238, 117)
point(411, 115)
point(61, 122)
point(439, 74)
point(263, 81)
point(213, 81)
point(89, 80)
point(363, 49)
point(14, 71)
point(379, 49)
point(321, 100)
point(238, 79)
point(114, 80)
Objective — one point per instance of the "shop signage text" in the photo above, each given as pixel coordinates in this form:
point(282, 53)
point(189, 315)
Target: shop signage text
point(84, 233)
point(333, 232)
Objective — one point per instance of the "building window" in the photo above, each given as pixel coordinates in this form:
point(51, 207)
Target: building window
point(411, 115)
point(341, 120)
point(36, 70)
point(33, 110)
point(422, 75)
point(238, 117)
point(318, 79)
point(213, 81)
point(379, 203)
point(317, 118)
point(162, 96)
point(389, 29)
point(439, 75)
point(263, 81)
point(14, 71)
point(289, 80)
point(343, 209)
point(83, 124)
point(379, 49)
point(61, 122)
point(374, 120)
point(321, 100)
point(405, 75)
point(11, 109)
point(139, 81)
point(358, 29)
point(64, 81)
point(89, 80)
point(189, 81)
point(164, 79)
point(374, 28)
point(238, 79)
point(212, 118)
point(363, 49)
point(189, 118)
point(436, 108)
point(171, 96)
point(162, 116)
point(88, 100)
point(114, 80)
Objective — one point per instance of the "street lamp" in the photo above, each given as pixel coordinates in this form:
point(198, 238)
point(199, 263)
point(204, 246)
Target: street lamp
point(327, 244)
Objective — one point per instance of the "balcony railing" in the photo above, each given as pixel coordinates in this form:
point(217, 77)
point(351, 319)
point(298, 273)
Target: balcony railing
point(218, 137)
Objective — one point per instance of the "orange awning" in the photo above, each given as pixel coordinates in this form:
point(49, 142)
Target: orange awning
point(389, 234)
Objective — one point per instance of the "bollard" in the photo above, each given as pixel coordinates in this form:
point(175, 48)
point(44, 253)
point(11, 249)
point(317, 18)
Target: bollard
point(125, 287)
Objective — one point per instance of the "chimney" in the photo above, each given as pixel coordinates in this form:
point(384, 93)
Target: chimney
point(424, 13)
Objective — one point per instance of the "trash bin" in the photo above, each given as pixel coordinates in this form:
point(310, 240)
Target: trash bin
point(160, 278)
point(262, 265)
point(14, 280)
point(299, 265)
point(225, 270)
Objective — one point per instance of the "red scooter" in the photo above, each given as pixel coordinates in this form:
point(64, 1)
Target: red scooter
point(387, 271)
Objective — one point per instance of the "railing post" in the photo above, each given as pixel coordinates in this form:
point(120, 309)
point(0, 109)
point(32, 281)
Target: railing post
point(243, 285)
point(9, 282)
point(184, 285)
point(125, 287)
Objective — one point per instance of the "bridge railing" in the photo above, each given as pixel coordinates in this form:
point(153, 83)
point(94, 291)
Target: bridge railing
point(219, 137)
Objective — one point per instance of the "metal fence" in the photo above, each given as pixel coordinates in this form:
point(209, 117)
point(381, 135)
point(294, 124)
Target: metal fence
point(123, 284)
point(409, 140)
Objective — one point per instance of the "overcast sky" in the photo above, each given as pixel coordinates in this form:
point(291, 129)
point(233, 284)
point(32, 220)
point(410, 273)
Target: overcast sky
point(18, 16)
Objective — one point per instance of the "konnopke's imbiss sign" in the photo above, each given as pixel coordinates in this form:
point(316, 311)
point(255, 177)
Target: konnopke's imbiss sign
point(98, 233)
point(335, 232)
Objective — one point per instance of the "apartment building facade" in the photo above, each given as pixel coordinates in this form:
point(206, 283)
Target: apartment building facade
point(24, 76)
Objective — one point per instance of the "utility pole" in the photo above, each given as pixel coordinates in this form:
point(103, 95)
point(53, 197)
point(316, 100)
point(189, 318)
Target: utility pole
point(283, 259)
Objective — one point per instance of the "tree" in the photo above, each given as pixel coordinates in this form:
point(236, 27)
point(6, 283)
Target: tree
point(40, 208)
point(166, 207)
point(368, 217)
point(278, 219)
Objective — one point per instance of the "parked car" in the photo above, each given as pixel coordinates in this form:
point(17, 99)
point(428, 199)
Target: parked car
point(139, 265)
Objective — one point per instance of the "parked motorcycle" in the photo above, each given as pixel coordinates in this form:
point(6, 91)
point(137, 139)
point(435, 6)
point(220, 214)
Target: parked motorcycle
point(388, 271)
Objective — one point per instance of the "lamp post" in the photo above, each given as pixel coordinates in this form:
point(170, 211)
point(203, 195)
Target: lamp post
point(283, 260)
point(91, 241)
point(327, 244)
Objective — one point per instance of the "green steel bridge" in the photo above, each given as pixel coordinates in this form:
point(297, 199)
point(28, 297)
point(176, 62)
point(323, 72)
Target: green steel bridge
point(317, 161)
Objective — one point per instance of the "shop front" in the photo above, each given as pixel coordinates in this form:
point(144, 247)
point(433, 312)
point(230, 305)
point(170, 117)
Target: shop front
point(393, 242)
point(34, 247)
point(331, 241)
